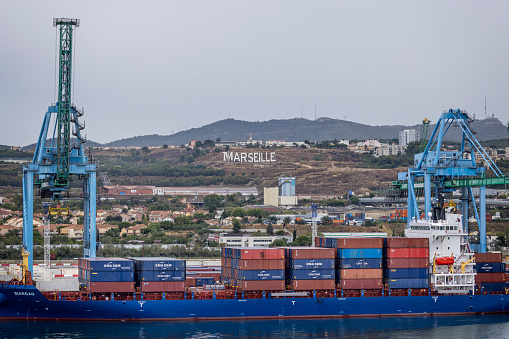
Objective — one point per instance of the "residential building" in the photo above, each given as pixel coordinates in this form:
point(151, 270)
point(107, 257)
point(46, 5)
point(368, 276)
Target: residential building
point(243, 240)
point(407, 136)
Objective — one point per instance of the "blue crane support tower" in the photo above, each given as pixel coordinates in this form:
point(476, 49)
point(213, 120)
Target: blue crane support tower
point(440, 171)
point(59, 158)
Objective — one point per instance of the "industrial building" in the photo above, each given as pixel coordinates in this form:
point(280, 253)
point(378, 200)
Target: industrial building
point(283, 195)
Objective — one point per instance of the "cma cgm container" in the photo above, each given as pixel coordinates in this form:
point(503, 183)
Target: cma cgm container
point(360, 263)
point(103, 275)
point(311, 268)
point(160, 274)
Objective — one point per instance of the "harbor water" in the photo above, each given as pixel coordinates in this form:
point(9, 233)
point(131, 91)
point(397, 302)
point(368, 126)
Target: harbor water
point(464, 327)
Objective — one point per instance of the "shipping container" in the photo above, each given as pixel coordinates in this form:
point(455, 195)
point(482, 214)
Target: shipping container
point(204, 281)
point(101, 276)
point(312, 274)
point(259, 253)
point(361, 273)
point(407, 263)
point(490, 277)
point(308, 264)
point(307, 285)
point(407, 242)
point(160, 275)
point(351, 253)
point(260, 264)
point(159, 264)
point(495, 287)
point(408, 283)
point(310, 253)
point(360, 243)
point(407, 273)
point(260, 274)
point(361, 284)
point(108, 264)
point(110, 286)
point(488, 257)
point(360, 263)
point(494, 267)
point(161, 286)
point(261, 285)
point(394, 253)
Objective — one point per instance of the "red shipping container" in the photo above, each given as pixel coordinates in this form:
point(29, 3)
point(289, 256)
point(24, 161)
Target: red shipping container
point(261, 285)
point(190, 281)
point(361, 284)
point(362, 273)
point(303, 285)
point(408, 263)
point(162, 286)
point(360, 243)
point(490, 277)
point(407, 242)
point(111, 286)
point(488, 257)
point(262, 253)
point(260, 264)
point(311, 253)
point(408, 252)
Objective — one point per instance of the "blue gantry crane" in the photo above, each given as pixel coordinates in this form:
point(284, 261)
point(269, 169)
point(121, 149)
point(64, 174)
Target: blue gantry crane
point(57, 159)
point(439, 171)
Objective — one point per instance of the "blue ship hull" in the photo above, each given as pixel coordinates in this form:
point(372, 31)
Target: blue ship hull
point(27, 303)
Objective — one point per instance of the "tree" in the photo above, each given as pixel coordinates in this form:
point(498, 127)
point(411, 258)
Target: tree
point(236, 226)
point(165, 146)
point(270, 229)
point(280, 232)
point(286, 221)
point(212, 201)
point(326, 221)
point(354, 200)
point(279, 243)
point(145, 150)
point(294, 234)
point(302, 240)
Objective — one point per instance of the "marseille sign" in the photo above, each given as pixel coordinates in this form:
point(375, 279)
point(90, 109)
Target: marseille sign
point(258, 157)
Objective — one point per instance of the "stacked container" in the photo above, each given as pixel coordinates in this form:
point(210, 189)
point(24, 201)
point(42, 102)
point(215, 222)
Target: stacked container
point(254, 268)
point(407, 263)
point(160, 274)
point(310, 268)
point(104, 275)
point(491, 272)
point(359, 263)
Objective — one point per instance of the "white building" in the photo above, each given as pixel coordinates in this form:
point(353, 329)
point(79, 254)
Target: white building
point(407, 136)
point(243, 240)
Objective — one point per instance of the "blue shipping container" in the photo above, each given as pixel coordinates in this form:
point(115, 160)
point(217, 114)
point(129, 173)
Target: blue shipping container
point(360, 263)
point(204, 281)
point(261, 274)
point(407, 273)
point(351, 253)
point(312, 264)
point(492, 267)
point(495, 287)
point(102, 276)
point(156, 264)
point(110, 264)
point(312, 274)
point(160, 275)
point(408, 283)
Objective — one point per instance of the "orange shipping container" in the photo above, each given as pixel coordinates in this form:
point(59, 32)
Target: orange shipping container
point(361, 284)
point(262, 253)
point(363, 273)
point(261, 285)
point(303, 285)
point(259, 264)
point(407, 242)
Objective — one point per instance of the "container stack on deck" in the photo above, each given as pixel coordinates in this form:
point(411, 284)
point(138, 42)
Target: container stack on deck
point(407, 263)
point(103, 275)
point(491, 272)
point(254, 268)
point(360, 263)
point(310, 268)
point(160, 274)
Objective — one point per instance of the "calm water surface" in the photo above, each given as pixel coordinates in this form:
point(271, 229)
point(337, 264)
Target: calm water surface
point(443, 327)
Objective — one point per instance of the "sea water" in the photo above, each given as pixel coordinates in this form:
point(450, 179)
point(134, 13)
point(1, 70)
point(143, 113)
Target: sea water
point(443, 327)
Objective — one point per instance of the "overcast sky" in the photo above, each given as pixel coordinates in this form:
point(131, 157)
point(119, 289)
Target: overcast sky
point(157, 67)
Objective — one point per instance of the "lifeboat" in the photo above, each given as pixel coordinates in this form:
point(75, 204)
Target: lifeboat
point(444, 261)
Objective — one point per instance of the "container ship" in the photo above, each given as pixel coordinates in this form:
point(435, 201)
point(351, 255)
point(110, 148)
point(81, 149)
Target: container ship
point(431, 271)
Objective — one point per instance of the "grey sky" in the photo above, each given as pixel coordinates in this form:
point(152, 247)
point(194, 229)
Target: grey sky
point(153, 67)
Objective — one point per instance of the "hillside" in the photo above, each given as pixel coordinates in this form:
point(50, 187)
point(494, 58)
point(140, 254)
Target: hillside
point(303, 129)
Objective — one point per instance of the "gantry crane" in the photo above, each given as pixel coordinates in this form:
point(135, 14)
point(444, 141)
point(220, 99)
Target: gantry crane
point(445, 171)
point(58, 159)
